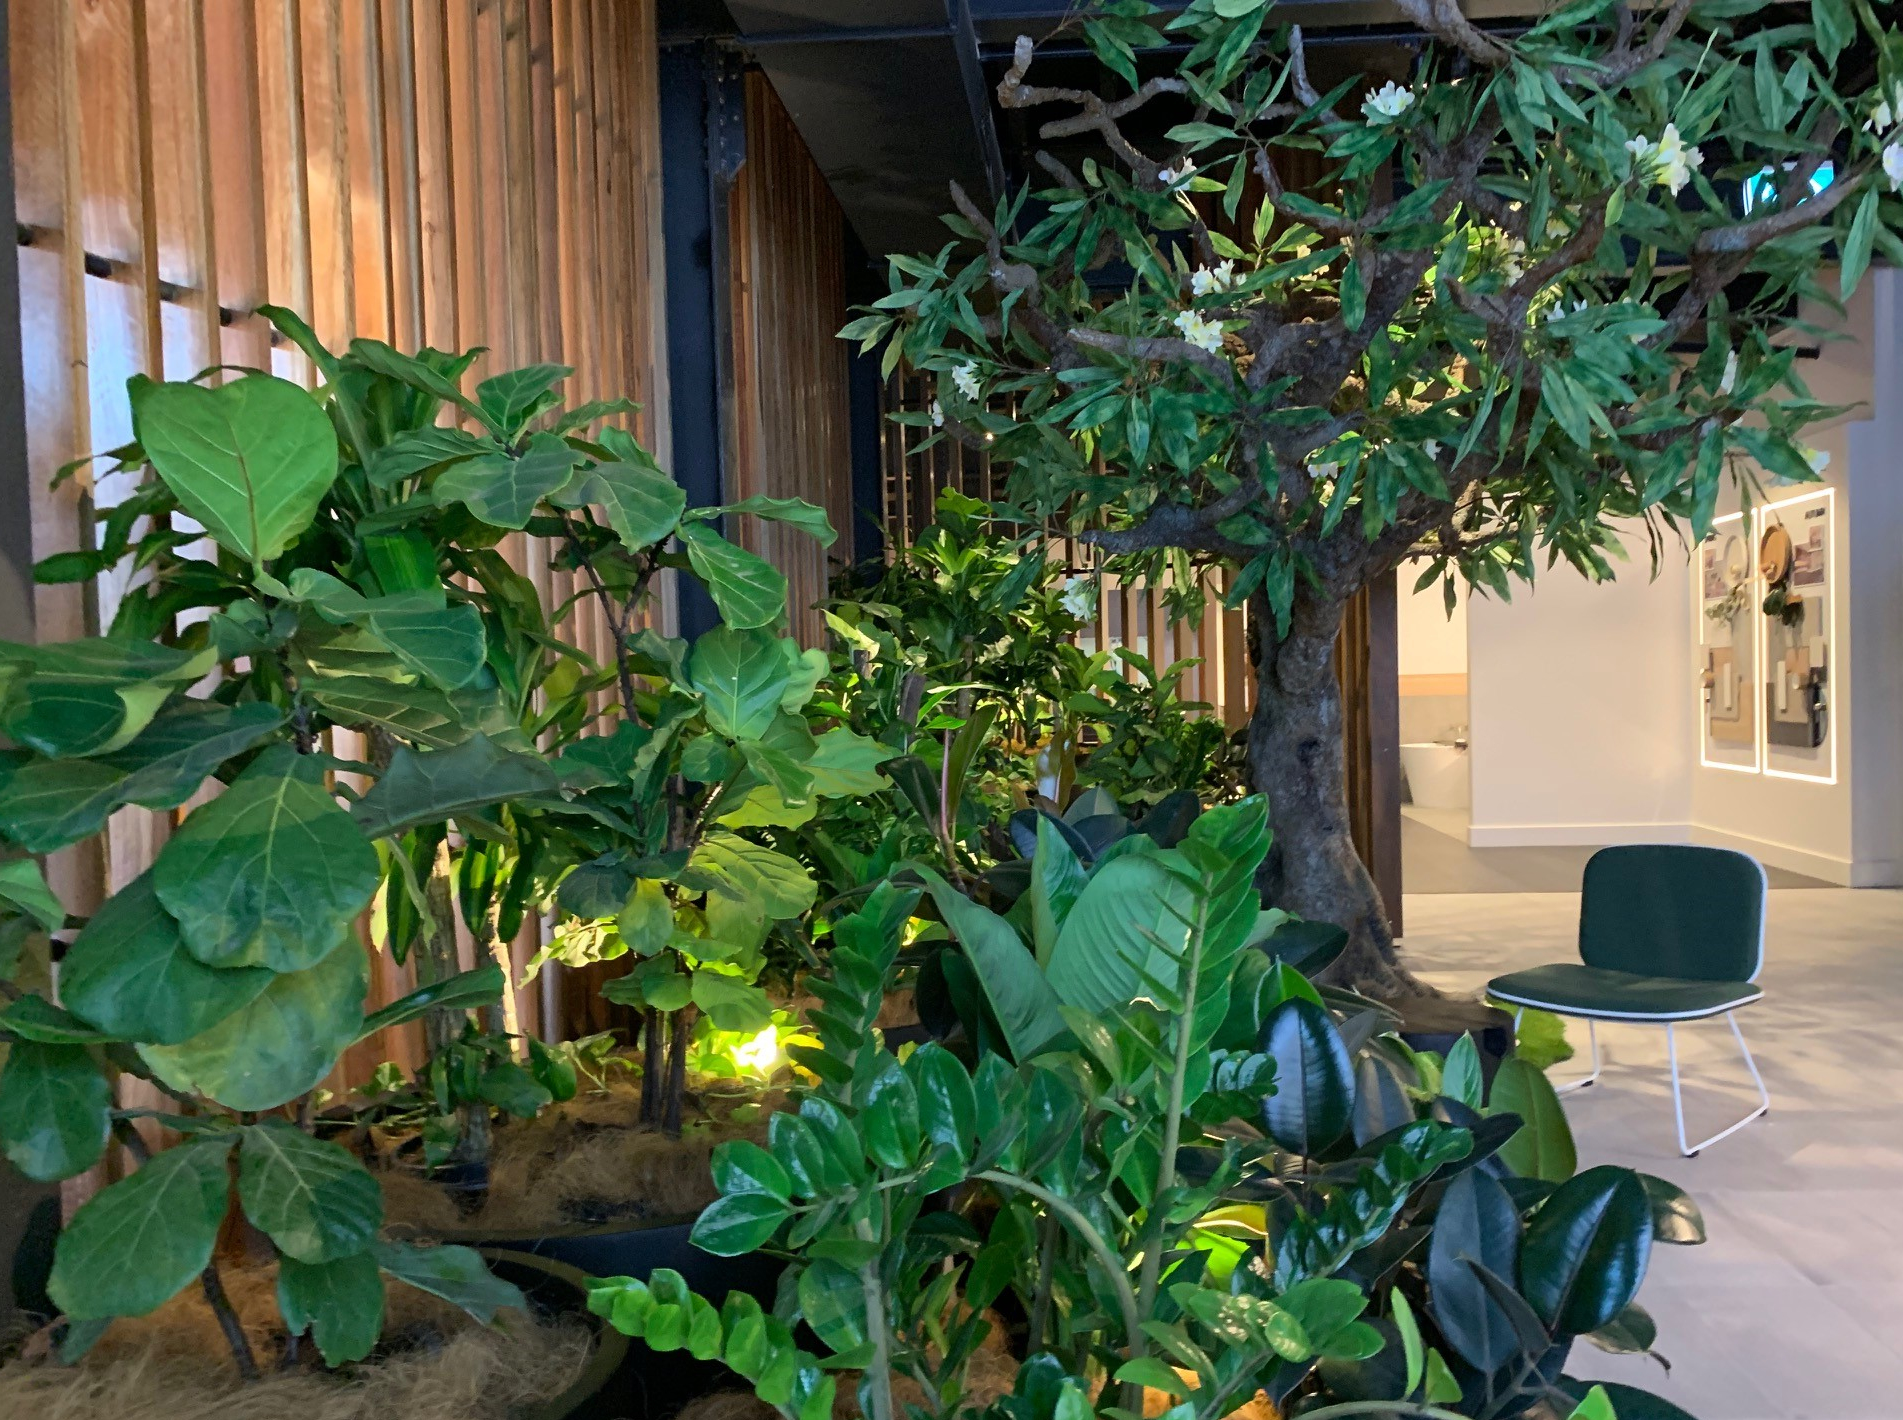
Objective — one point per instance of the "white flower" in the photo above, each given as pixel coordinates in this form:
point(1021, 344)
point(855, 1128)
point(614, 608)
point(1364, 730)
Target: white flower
point(1818, 459)
point(938, 415)
point(1893, 166)
point(1729, 381)
point(1203, 280)
point(1513, 266)
point(966, 378)
point(1170, 177)
point(1199, 331)
point(1431, 448)
point(1669, 162)
point(1387, 103)
point(1079, 599)
point(1323, 470)
point(1888, 113)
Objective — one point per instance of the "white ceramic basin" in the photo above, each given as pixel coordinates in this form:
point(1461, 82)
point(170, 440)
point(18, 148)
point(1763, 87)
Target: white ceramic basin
point(1436, 775)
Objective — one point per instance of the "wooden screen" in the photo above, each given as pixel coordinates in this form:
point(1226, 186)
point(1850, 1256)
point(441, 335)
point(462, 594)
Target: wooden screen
point(790, 406)
point(456, 172)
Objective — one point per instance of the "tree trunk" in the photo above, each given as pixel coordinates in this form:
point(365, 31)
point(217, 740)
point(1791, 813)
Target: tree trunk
point(1298, 760)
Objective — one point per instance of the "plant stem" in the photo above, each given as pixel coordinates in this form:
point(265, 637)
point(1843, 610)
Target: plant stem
point(1113, 1265)
point(878, 1374)
point(681, 1028)
point(653, 1066)
point(228, 1322)
point(499, 952)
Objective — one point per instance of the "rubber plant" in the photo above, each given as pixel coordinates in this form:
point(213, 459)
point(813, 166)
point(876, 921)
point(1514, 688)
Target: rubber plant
point(228, 975)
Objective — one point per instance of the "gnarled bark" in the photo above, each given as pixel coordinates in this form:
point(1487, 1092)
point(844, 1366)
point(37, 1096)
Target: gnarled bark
point(1298, 760)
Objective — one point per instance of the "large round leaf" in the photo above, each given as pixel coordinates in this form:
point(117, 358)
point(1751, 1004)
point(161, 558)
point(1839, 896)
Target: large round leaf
point(54, 1110)
point(503, 490)
point(1543, 1146)
point(340, 1303)
point(129, 973)
point(749, 590)
point(642, 504)
point(1477, 1223)
point(1586, 1249)
point(431, 786)
point(134, 1244)
point(771, 882)
point(1120, 931)
point(1314, 1079)
point(269, 872)
point(740, 677)
point(250, 459)
point(315, 1199)
point(278, 1046)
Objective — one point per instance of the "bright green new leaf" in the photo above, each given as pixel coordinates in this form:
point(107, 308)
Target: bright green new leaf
point(740, 676)
point(730, 1002)
point(646, 919)
point(1543, 1148)
point(251, 459)
point(846, 764)
point(739, 1224)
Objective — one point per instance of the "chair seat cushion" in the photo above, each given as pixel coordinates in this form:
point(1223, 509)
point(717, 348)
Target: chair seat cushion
point(1574, 990)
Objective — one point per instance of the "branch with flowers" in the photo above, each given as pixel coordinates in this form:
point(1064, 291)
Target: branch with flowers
point(1523, 304)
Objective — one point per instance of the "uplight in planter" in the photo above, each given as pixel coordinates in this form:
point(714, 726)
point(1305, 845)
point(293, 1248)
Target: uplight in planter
point(760, 1054)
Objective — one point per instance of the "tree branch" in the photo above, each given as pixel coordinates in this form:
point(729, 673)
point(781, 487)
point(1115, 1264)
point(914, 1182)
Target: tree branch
point(1442, 19)
point(1152, 347)
point(1094, 114)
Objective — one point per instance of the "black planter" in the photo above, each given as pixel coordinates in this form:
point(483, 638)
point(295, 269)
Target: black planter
point(555, 1289)
point(644, 1385)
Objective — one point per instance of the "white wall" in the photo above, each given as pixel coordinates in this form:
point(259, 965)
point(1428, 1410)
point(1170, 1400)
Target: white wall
point(1581, 707)
point(1429, 641)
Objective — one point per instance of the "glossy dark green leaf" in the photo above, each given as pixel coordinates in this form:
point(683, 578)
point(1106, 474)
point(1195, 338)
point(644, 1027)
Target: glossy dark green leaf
point(1675, 1214)
point(135, 1243)
point(129, 973)
point(739, 1223)
point(268, 873)
point(1476, 1222)
point(464, 991)
point(833, 1302)
point(748, 590)
point(742, 1166)
point(456, 1274)
point(280, 1044)
point(250, 459)
point(55, 1110)
point(1586, 1249)
point(947, 1106)
point(1632, 1332)
point(1314, 1079)
point(313, 1198)
point(340, 1303)
point(437, 785)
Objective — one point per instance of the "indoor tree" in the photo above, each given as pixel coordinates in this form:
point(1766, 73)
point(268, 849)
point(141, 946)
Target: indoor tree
point(1481, 310)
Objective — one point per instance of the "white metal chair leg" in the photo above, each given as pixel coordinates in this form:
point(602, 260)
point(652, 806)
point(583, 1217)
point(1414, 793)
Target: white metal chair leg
point(1592, 1034)
point(1678, 1101)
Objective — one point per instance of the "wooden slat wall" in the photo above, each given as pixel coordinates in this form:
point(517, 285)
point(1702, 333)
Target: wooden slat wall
point(457, 172)
point(790, 369)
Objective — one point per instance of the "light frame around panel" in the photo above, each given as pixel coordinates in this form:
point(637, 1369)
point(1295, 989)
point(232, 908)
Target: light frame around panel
point(1700, 724)
point(1828, 493)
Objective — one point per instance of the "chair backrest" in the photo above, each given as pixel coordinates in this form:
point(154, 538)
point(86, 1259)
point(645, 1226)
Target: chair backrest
point(1672, 909)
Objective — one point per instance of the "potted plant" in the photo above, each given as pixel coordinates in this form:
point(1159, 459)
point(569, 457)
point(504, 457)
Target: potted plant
point(228, 975)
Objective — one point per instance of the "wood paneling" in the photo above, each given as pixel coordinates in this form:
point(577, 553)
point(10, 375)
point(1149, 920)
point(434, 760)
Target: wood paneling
point(790, 407)
point(461, 172)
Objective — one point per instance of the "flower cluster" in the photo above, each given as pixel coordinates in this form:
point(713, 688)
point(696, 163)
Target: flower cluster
point(1387, 103)
point(1079, 599)
point(1206, 280)
point(1669, 161)
point(965, 377)
point(1200, 331)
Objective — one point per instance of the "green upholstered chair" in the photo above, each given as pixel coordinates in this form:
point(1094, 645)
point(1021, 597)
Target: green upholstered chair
point(1667, 933)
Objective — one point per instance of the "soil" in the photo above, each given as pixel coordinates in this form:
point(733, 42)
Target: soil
point(588, 1161)
point(436, 1363)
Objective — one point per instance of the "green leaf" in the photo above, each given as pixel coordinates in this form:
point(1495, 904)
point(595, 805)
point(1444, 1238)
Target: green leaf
point(1442, 1388)
point(646, 918)
point(1676, 1218)
point(833, 1302)
point(268, 873)
point(513, 1090)
point(774, 884)
point(845, 764)
point(740, 676)
point(129, 973)
point(1153, 1374)
point(23, 885)
point(748, 590)
point(1314, 1079)
point(55, 1110)
point(1412, 1348)
point(642, 504)
point(280, 1045)
point(1543, 1148)
point(1057, 879)
point(742, 1166)
point(1859, 243)
point(1119, 936)
point(1586, 1249)
point(947, 1104)
point(456, 1274)
point(135, 1243)
point(92, 696)
point(434, 786)
point(464, 991)
point(250, 459)
point(1028, 1010)
point(340, 1303)
point(731, 1003)
point(1597, 1405)
point(1478, 1222)
point(1460, 1077)
point(311, 1197)
point(795, 512)
point(739, 1223)
point(504, 491)
point(50, 803)
point(413, 372)
point(417, 451)
point(445, 645)
point(513, 397)
point(38, 1019)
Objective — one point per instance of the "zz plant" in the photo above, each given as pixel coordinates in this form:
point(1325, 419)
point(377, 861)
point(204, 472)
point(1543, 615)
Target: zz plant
point(1095, 1162)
